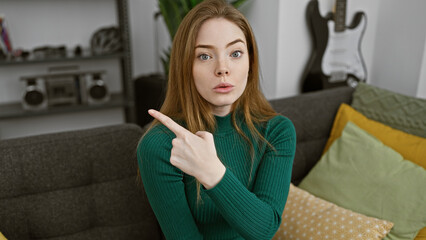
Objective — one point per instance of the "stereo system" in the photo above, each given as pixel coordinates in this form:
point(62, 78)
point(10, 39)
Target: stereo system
point(77, 88)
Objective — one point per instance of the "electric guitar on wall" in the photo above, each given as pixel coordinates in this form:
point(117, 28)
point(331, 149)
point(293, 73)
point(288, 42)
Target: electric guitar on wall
point(336, 59)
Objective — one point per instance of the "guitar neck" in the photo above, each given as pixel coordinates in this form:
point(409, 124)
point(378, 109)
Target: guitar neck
point(340, 16)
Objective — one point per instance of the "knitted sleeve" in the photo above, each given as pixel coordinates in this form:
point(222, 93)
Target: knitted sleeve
point(257, 214)
point(164, 186)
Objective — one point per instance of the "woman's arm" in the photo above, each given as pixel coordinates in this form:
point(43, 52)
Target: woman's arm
point(164, 186)
point(257, 214)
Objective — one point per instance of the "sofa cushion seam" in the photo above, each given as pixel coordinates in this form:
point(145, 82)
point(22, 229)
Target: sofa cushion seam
point(67, 188)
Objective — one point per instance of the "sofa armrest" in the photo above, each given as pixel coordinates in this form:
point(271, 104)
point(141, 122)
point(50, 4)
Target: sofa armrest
point(74, 185)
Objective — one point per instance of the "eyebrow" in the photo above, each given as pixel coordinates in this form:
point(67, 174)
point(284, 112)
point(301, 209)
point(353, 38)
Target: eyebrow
point(227, 45)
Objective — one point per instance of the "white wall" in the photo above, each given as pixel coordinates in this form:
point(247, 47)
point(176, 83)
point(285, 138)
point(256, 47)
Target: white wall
point(421, 87)
point(264, 20)
point(293, 47)
point(143, 31)
point(399, 45)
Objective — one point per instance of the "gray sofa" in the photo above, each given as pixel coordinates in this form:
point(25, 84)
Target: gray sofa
point(83, 184)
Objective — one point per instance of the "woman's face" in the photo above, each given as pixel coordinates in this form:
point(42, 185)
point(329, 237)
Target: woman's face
point(221, 64)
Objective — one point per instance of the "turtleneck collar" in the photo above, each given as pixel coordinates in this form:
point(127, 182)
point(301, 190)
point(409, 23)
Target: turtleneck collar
point(224, 124)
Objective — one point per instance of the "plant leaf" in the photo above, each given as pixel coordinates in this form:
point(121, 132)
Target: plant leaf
point(237, 3)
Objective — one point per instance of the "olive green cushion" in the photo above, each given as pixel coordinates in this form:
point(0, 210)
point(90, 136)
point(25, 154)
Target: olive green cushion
point(362, 174)
point(399, 111)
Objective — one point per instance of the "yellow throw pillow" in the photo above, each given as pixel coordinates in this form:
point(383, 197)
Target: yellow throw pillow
point(308, 217)
point(2, 237)
point(411, 147)
point(421, 235)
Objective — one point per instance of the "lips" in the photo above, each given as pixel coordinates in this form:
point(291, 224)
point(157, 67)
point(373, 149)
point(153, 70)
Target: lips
point(223, 88)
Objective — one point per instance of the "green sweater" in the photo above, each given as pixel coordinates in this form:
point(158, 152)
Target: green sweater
point(246, 204)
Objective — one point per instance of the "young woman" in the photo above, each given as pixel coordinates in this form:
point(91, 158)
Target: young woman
point(216, 163)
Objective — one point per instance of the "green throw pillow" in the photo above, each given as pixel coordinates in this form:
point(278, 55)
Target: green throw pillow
point(399, 111)
point(362, 174)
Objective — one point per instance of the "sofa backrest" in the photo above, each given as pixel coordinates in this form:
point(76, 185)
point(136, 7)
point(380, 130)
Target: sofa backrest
point(83, 184)
point(74, 185)
point(312, 115)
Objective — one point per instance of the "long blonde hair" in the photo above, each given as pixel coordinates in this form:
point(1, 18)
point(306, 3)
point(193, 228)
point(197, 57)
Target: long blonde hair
point(184, 103)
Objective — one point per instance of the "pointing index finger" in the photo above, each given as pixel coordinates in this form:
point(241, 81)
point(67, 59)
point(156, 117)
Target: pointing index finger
point(168, 122)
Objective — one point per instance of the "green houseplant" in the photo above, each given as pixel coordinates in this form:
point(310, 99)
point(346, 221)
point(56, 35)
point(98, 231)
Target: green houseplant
point(173, 11)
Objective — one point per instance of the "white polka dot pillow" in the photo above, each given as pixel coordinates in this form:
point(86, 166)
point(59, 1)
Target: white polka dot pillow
point(308, 217)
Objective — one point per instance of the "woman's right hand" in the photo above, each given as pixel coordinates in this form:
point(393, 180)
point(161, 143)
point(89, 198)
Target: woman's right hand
point(194, 154)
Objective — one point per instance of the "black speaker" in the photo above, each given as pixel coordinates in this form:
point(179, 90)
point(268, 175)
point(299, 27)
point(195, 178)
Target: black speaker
point(34, 97)
point(96, 90)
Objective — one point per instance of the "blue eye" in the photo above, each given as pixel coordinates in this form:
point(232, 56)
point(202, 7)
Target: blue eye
point(236, 54)
point(204, 57)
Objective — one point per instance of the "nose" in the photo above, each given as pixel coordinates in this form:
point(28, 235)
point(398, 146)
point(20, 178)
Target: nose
point(222, 69)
